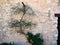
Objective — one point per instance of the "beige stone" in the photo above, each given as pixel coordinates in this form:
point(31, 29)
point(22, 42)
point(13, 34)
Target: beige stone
point(45, 25)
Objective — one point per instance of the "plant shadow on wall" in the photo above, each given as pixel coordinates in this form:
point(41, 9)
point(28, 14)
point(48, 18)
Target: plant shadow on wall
point(22, 24)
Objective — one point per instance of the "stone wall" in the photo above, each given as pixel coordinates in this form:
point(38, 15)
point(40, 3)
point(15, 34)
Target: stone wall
point(46, 22)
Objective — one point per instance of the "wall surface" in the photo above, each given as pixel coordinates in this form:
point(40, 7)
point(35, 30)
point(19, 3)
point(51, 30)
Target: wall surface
point(46, 22)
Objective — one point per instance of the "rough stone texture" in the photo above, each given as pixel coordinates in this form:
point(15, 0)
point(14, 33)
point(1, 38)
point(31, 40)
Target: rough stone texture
point(47, 26)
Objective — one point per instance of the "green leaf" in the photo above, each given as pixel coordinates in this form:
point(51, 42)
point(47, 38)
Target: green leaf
point(37, 35)
point(34, 39)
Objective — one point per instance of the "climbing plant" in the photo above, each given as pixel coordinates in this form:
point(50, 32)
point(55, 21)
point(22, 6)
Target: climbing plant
point(33, 39)
point(22, 23)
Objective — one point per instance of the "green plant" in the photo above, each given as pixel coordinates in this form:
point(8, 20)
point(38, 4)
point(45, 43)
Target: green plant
point(24, 24)
point(17, 23)
point(34, 39)
point(25, 9)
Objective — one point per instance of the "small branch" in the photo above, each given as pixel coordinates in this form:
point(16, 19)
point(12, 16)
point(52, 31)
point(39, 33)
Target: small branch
point(24, 11)
point(24, 8)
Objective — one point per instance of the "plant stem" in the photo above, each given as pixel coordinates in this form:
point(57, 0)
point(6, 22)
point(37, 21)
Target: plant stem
point(21, 30)
point(24, 11)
